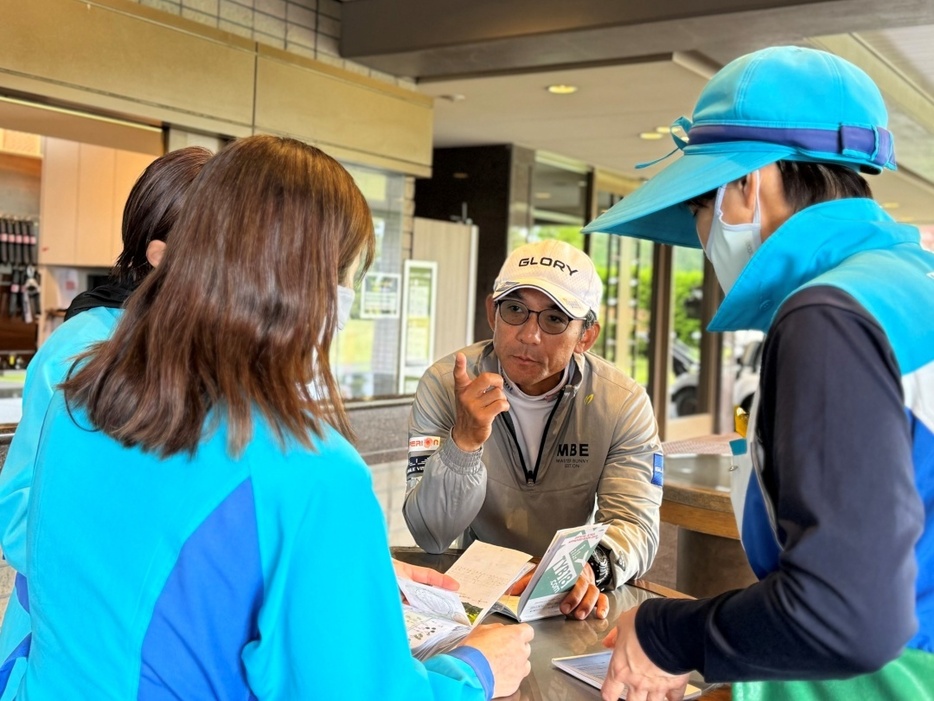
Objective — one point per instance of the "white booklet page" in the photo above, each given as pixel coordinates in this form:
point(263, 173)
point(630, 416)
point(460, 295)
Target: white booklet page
point(592, 669)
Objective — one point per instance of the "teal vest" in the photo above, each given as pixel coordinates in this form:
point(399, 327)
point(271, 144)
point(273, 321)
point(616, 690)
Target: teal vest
point(855, 246)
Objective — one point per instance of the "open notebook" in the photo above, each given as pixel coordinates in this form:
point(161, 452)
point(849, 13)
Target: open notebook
point(436, 619)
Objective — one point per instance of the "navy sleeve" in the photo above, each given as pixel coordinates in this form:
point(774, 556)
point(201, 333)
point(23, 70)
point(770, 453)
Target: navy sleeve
point(839, 469)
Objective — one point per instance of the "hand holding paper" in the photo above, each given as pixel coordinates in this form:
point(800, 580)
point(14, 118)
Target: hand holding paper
point(592, 669)
point(424, 575)
point(436, 619)
point(583, 597)
point(631, 669)
point(563, 582)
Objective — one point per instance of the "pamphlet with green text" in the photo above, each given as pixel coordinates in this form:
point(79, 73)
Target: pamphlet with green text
point(555, 575)
point(437, 620)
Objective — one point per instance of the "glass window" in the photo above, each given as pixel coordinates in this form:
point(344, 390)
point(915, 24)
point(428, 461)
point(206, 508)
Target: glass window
point(559, 197)
point(559, 205)
point(625, 266)
point(745, 354)
point(635, 308)
point(684, 363)
point(365, 355)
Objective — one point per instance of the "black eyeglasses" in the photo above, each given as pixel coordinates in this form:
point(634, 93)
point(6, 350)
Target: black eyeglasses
point(551, 321)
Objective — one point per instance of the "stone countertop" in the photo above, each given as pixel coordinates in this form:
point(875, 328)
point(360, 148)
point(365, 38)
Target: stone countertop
point(697, 485)
point(11, 396)
point(702, 481)
point(11, 411)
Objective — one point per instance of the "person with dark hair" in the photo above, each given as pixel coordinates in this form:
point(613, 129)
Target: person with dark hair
point(148, 217)
point(514, 438)
point(834, 496)
point(149, 214)
point(195, 501)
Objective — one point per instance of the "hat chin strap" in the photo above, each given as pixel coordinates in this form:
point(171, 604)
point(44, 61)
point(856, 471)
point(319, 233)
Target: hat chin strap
point(682, 123)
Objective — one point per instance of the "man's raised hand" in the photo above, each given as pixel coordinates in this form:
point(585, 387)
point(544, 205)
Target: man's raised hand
point(478, 403)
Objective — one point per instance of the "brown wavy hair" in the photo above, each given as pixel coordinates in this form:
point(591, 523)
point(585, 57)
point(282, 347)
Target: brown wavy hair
point(239, 315)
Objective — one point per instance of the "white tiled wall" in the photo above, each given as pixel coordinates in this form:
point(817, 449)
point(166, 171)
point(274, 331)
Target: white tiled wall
point(389, 485)
point(309, 28)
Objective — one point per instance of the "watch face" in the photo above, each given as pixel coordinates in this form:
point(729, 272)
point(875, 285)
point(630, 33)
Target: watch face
point(600, 565)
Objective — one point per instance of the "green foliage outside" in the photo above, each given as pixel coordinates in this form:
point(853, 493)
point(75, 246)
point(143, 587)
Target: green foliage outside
point(687, 282)
point(688, 277)
point(687, 323)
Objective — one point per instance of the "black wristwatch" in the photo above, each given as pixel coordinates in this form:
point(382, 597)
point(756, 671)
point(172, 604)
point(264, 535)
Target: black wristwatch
point(600, 564)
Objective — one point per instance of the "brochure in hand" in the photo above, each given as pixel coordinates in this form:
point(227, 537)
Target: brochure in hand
point(560, 567)
point(437, 619)
point(592, 669)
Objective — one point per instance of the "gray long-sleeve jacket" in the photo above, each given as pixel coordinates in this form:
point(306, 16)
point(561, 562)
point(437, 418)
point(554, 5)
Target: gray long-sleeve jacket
point(600, 443)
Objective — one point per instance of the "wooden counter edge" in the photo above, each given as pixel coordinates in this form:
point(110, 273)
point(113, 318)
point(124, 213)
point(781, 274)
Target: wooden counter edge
point(659, 589)
point(701, 520)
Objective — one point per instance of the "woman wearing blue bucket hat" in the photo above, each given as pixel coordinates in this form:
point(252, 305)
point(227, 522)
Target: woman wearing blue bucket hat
point(835, 496)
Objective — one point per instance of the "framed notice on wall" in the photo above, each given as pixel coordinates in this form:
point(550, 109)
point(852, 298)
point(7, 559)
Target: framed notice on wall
point(379, 296)
point(419, 298)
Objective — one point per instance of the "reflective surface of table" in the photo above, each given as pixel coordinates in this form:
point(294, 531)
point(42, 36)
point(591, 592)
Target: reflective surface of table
point(560, 637)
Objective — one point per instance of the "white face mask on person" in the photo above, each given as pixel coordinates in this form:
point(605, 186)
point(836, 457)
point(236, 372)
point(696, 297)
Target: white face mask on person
point(345, 298)
point(731, 246)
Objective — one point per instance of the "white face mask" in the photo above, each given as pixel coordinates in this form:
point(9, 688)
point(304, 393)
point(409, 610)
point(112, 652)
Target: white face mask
point(345, 298)
point(731, 246)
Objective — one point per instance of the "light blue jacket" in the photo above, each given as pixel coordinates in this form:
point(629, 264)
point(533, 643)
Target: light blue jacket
point(206, 577)
point(852, 245)
point(842, 532)
point(232, 598)
point(47, 369)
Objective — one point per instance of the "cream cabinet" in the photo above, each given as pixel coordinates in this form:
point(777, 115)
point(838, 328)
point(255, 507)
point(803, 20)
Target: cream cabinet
point(128, 166)
point(84, 189)
point(58, 202)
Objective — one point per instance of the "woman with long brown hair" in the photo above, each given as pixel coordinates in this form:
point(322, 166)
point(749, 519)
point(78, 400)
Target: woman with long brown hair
point(194, 504)
point(151, 210)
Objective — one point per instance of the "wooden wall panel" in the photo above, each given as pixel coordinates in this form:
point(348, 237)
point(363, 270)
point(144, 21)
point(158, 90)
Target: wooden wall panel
point(73, 125)
point(453, 247)
point(122, 59)
point(123, 56)
point(348, 116)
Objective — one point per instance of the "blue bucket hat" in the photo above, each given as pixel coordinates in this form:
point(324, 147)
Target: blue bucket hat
point(780, 103)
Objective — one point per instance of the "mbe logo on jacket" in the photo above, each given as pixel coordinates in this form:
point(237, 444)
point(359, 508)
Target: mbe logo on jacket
point(572, 454)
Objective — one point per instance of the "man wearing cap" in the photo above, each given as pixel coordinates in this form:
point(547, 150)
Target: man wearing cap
point(515, 438)
point(835, 494)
